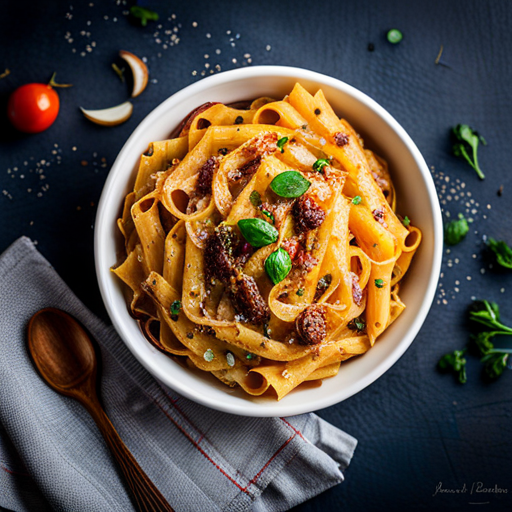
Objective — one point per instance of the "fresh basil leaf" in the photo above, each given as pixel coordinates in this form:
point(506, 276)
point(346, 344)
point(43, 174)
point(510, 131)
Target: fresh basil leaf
point(290, 184)
point(258, 232)
point(456, 230)
point(278, 265)
point(502, 251)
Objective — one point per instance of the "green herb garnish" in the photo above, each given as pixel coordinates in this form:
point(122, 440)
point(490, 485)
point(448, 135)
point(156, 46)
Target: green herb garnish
point(495, 362)
point(322, 285)
point(266, 333)
point(281, 142)
point(379, 283)
point(406, 222)
point(269, 215)
point(255, 198)
point(502, 251)
point(357, 200)
point(250, 356)
point(209, 355)
point(467, 140)
point(356, 324)
point(455, 362)
point(143, 14)
point(300, 292)
point(258, 232)
point(278, 265)
point(456, 230)
point(320, 164)
point(290, 184)
point(394, 36)
point(176, 307)
point(488, 314)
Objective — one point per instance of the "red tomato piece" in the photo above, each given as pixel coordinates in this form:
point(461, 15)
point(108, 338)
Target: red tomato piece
point(32, 108)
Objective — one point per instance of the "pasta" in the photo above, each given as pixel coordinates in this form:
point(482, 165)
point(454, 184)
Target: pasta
point(262, 243)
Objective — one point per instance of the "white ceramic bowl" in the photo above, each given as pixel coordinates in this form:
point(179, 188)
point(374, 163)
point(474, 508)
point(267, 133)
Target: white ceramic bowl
point(417, 198)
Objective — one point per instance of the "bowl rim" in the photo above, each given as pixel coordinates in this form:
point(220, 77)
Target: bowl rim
point(101, 227)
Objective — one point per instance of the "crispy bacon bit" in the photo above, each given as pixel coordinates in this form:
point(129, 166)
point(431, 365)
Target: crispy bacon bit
point(217, 258)
point(341, 139)
point(205, 177)
point(305, 260)
point(378, 215)
point(291, 246)
point(220, 263)
point(311, 325)
point(307, 214)
point(357, 293)
point(247, 300)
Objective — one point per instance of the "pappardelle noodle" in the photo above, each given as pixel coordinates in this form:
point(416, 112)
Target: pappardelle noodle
point(264, 243)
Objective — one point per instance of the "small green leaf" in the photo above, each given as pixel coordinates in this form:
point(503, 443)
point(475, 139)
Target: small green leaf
point(394, 36)
point(143, 14)
point(269, 215)
point(379, 283)
point(356, 324)
point(502, 251)
point(455, 362)
point(258, 232)
point(467, 140)
point(290, 184)
point(357, 200)
point(250, 356)
point(281, 142)
point(175, 307)
point(255, 198)
point(320, 164)
point(278, 265)
point(406, 222)
point(209, 355)
point(300, 292)
point(456, 230)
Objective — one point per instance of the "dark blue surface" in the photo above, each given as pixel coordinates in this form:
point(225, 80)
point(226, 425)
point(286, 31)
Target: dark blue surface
point(416, 428)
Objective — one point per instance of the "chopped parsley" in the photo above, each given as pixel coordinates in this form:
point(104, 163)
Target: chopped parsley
point(357, 200)
point(176, 307)
point(269, 215)
point(320, 164)
point(456, 363)
point(356, 324)
point(300, 292)
point(502, 252)
point(406, 221)
point(281, 142)
point(467, 141)
point(379, 283)
point(143, 14)
point(456, 230)
point(255, 198)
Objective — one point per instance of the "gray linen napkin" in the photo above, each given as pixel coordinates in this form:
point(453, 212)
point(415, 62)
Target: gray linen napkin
point(52, 456)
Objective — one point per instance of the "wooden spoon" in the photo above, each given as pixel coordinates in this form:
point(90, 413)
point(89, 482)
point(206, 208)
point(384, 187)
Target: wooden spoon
point(65, 357)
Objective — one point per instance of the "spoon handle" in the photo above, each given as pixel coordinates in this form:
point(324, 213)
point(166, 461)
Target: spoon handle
point(147, 496)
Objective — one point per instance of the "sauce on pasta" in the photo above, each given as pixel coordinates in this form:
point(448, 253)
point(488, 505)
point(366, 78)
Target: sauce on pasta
point(264, 243)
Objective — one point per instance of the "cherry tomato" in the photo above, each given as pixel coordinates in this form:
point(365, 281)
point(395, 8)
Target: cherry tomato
point(32, 108)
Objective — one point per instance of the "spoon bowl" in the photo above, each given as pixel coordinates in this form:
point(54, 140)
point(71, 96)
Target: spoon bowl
point(61, 349)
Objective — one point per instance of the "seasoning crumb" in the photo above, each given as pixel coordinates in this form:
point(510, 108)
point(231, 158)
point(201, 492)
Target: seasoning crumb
point(500, 191)
point(371, 47)
point(84, 163)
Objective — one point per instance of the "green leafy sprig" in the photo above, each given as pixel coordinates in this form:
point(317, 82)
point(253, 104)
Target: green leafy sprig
point(466, 142)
